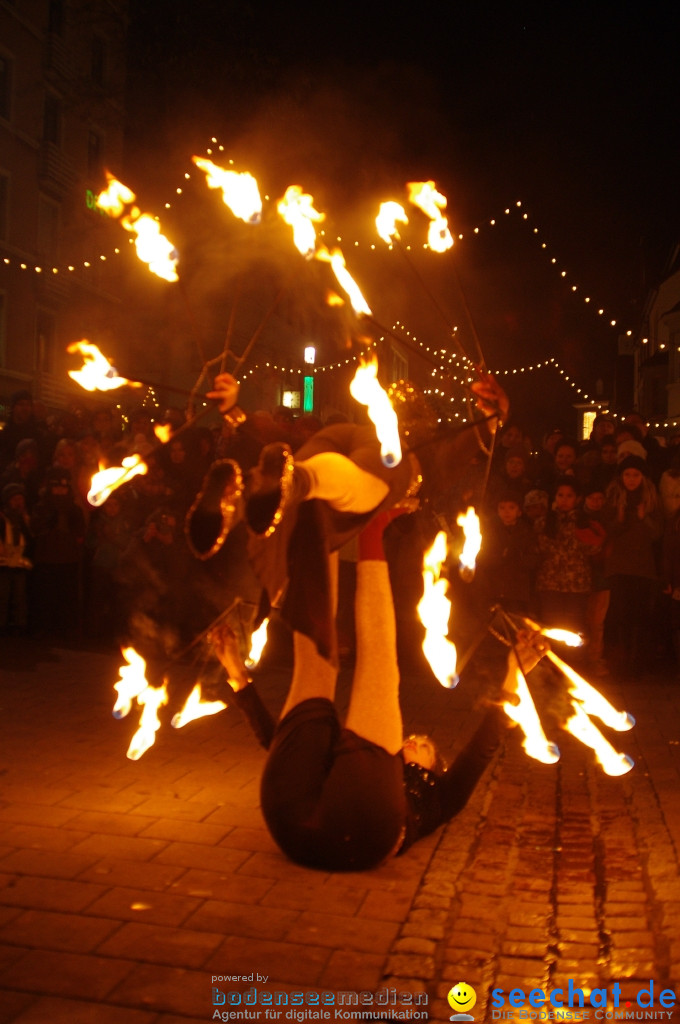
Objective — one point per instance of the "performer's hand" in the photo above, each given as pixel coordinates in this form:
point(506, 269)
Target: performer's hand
point(225, 645)
point(225, 392)
point(491, 398)
point(529, 649)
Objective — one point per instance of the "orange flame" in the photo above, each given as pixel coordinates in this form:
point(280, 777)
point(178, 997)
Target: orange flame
point(386, 221)
point(564, 636)
point(105, 482)
point(344, 279)
point(115, 197)
point(257, 644)
point(434, 609)
point(163, 432)
point(297, 210)
point(152, 247)
point(366, 389)
point(425, 196)
point(240, 191)
point(97, 373)
point(151, 699)
point(591, 700)
point(612, 762)
point(473, 540)
point(195, 708)
point(131, 683)
point(525, 715)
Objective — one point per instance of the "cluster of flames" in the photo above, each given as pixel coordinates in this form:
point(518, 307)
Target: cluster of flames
point(132, 685)
point(586, 702)
point(153, 248)
point(427, 198)
point(241, 194)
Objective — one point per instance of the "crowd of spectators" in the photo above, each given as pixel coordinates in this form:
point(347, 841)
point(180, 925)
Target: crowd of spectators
point(582, 534)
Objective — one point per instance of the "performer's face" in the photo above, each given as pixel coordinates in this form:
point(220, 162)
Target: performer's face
point(419, 750)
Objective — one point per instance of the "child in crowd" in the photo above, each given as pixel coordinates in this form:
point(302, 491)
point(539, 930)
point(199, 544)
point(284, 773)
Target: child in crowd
point(15, 538)
point(598, 599)
point(633, 524)
point(536, 508)
point(671, 578)
point(508, 558)
point(514, 476)
point(567, 541)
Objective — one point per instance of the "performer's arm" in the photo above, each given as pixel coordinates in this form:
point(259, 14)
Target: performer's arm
point(225, 645)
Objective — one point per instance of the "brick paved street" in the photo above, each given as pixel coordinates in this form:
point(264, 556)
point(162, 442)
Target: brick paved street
point(125, 886)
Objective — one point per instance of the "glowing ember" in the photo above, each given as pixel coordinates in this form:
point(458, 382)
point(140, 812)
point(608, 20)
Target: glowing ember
point(97, 374)
point(257, 644)
point(612, 762)
point(151, 699)
point(131, 683)
point(105, 482)
point(564, 636)
point(115, 197)
point(535, 743)
point(196, 708)
point(434, 610)
point(297, 210)
point(591, 700)
point(240, 190)
point(425, 196)
point(386, 221)
point(345, 279)
point(152, 247)
point(163, 432)
point(367, 390)
point(472, 543)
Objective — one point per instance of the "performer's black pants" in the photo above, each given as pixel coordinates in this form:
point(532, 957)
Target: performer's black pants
point(331, 799)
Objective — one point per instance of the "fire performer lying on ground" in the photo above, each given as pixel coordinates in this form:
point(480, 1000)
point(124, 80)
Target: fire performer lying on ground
point(291, 535)
point(345, 799)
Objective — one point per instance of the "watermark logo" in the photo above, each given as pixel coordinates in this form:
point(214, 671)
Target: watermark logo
point(462, 997)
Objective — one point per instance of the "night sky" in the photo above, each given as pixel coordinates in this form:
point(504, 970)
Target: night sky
point(575, 114)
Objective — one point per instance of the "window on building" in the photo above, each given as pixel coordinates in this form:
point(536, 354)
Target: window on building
point(94, 155)
point(48, 228)
point(98, 66)
point(4, 207)
point(45, 342)
point(5, 86)
point(52, 119)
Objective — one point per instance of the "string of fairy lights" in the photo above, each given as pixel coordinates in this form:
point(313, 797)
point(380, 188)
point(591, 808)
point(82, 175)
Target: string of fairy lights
point(516, 208)
point(451, 369)
point(442, 373)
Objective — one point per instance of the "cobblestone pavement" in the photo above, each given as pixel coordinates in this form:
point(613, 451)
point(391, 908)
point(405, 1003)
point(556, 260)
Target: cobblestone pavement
point(125, 886)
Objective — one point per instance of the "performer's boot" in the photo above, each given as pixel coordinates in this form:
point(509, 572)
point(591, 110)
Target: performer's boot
point(215, 510)
point(274, 484)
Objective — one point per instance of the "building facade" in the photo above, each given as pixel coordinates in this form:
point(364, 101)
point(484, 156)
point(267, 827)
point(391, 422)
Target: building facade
point(62, 105)
point(657, 352)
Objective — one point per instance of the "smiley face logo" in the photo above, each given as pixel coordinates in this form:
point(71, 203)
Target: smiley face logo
point(462, 997)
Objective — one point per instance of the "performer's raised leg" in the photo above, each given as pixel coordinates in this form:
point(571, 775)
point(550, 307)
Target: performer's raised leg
point(374, 710)
point(313, 676)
